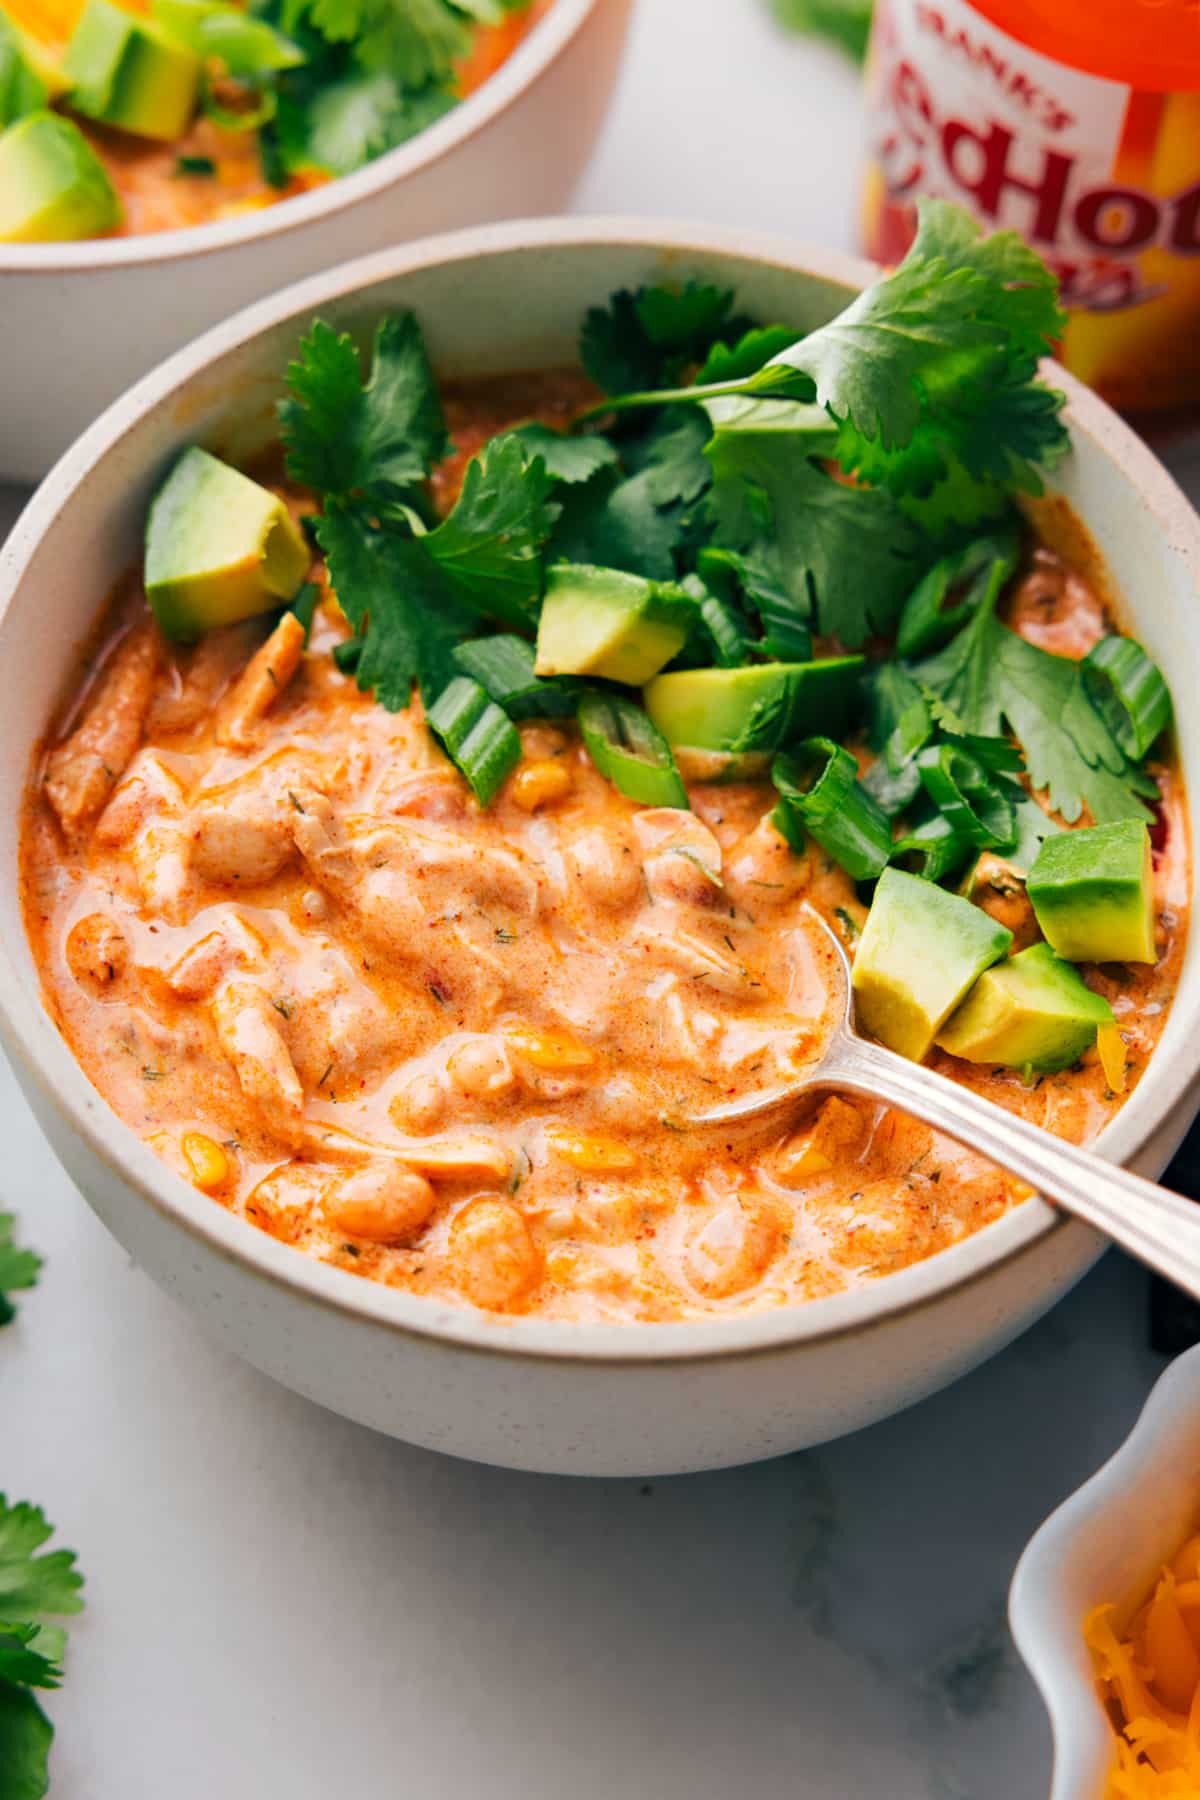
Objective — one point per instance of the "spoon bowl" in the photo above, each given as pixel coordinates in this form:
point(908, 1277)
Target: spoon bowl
point(1160, 1228)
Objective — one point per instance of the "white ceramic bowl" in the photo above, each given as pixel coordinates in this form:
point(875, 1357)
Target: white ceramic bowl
point(600, 1399)
point(83, 321)
point(1106, 1543)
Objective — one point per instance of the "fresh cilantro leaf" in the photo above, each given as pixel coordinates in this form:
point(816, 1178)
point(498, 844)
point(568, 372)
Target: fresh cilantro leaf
point(490, 545)
point(992, 679)
point(640, 340)
point(343, 123)
point(672, 455)
point(937, 360)
point(756, 347)
point(568, 459)
point(25, 1738)
point(419, 42)
point(397, 598)
point(846, 23)
point(345, 437)
point(18, 1268)
point(614, 522)
point(31, 1655)
point(847, 557)
point(32, 1585)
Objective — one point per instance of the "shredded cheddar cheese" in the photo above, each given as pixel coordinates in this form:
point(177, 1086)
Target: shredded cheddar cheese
point(1149, 1676)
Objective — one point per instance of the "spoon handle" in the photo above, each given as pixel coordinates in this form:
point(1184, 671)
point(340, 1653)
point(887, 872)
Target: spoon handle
point(1158, 1227)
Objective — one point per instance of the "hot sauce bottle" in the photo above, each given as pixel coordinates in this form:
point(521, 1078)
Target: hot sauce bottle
point(1076, 123)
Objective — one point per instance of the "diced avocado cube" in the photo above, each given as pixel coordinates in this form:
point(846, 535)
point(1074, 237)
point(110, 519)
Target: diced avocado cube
point(920, 952)
point(1093, 893)
point(219, 548)
point(1033, 1011)
point(30, 77)
point(53, 186)
point(128, 72)
point(760, 707)
point(608, 623)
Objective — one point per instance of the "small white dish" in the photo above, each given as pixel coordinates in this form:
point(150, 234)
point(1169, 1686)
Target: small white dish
point(1106, 1543)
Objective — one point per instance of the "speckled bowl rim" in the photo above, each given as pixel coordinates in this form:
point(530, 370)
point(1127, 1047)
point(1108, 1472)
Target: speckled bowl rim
point(1047, 1634)
point(533, 57)
point(30, 1036)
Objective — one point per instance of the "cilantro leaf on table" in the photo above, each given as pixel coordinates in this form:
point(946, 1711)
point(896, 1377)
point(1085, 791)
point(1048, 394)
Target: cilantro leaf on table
point(33, 1585)
point(25, 1738)
point(490, 544)
point(846, 557)
point(31, 1655)
point(642, 339)
point(568, 459)
point(379, 438)
point(993, 680)
point(18, 1268)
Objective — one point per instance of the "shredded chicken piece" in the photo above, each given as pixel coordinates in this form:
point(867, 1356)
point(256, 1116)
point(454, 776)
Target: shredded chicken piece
point(261, 682)
point(249, 1032)
point(82, 772)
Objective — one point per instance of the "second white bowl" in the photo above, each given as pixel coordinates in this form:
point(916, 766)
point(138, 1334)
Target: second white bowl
point(83, 321)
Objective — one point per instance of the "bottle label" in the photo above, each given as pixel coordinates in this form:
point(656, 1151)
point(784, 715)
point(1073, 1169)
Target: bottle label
point(1103, 180)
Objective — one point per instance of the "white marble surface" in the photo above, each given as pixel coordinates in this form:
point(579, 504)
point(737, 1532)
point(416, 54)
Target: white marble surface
point(284, 1604)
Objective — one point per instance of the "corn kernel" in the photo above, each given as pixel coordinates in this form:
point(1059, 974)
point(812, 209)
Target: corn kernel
point(207, 1161)
point(1111, 1047)
point(460, 1159)
point(592, 1155)
point(540, 784)
point(551, 1050)
point(800, 1161)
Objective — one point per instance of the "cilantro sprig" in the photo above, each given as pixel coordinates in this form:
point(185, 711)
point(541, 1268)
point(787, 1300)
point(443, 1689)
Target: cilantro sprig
point(36, 1586)
point(854, 486)
point(18, 1268)
point(411, 593)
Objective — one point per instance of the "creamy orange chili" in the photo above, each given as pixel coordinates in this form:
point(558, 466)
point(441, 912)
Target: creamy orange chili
point(156, 195)
point(456, 1051)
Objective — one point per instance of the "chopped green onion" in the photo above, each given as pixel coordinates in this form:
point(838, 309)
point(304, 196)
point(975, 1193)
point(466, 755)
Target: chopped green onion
point(724, 628)
point(195, 165)
point(962, 791)
point(1128, 692)
point(504, 666)
point(477, 737)
point(933, 849)
point(786, 637)
point(305, 605)
point(819, 783)
point(348, 654)
point(953, 590)
point(629, 751)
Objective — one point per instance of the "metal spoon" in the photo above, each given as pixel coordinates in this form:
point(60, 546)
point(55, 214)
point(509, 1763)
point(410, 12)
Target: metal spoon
point(1160, 1228)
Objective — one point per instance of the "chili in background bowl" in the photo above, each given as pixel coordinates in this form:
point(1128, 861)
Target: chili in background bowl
point(84, 320)
point(564, 1397)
